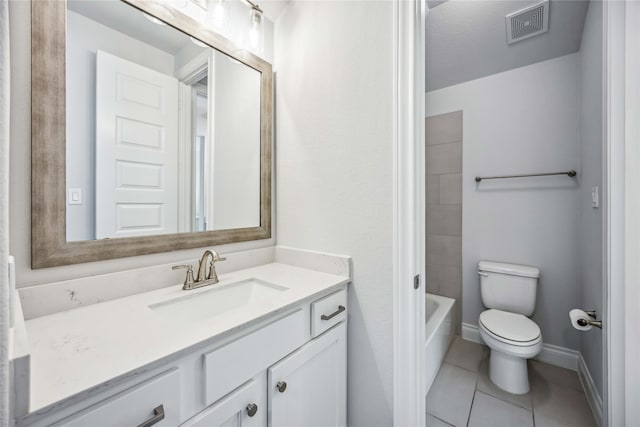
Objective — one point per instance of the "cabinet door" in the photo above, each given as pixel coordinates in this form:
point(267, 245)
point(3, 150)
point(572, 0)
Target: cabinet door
point(244, 407)
point(308, 388)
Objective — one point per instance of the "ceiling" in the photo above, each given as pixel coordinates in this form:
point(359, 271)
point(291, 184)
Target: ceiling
point(130, 21)
point(466, 39)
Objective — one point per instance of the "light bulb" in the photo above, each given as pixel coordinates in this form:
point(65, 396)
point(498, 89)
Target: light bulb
point(255, 39)
point(197, 42)
point(217, 14)
point(153, 19)
point(178, 3)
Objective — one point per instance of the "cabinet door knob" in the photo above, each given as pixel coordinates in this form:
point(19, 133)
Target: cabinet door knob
point(281, 386)
point(252, 408)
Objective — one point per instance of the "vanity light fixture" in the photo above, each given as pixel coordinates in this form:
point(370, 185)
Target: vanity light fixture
point(178, 4)
point(198, 42)
point(153, 19)
point(255, 37)
point(217, 14)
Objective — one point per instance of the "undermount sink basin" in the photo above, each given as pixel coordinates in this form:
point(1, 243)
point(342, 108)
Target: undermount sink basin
point(217, 300)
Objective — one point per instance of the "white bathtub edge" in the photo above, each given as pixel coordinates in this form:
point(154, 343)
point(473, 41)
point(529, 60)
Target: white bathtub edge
point(439, 332)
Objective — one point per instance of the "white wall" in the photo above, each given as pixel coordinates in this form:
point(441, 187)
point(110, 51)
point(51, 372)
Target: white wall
point(20, 185)
point(84, 38)
point(591, 151)
point(520, 121)
point(333, 63)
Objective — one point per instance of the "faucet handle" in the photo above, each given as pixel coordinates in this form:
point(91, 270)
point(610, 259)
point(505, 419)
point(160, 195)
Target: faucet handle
point(212, 268)
point(189, 280)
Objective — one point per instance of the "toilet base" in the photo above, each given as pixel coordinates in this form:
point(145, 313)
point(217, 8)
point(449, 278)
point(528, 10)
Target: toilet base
point(509, 372)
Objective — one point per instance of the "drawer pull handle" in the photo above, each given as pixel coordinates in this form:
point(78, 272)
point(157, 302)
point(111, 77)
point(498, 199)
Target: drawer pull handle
point(334, 314)
point(158, 415)
point(252, 408)
point(281, 386)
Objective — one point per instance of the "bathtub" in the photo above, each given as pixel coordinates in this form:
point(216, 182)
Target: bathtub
point(439, 332)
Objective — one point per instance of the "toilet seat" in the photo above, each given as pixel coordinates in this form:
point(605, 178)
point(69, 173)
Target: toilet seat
point(510, 328)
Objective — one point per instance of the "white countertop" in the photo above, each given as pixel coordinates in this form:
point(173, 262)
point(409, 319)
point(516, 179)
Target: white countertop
point(76, 350)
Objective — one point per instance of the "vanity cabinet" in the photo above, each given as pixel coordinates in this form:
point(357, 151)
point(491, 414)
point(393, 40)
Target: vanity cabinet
point(305, 389)
point(289, 370)
point(308, 388)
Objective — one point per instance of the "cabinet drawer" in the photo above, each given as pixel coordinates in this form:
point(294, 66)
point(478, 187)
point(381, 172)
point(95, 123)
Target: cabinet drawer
point(228, 367)
point(157, 398)
point(244, 407)
point(328, 311)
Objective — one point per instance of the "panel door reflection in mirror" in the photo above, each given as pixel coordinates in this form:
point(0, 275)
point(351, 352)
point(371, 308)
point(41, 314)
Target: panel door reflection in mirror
point(163, 132)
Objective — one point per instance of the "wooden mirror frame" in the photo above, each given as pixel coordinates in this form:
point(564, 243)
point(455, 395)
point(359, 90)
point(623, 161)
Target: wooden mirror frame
point(49, 245)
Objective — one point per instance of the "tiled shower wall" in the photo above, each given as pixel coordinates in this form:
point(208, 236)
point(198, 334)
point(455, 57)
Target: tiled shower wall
point(443, 136)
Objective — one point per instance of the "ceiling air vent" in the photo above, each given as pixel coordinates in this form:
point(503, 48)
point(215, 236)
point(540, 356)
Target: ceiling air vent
point(528, 22)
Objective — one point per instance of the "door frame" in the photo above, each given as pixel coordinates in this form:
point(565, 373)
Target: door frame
point(409, 407)
point(187, 75)
point(621, 292)
point(632, 209)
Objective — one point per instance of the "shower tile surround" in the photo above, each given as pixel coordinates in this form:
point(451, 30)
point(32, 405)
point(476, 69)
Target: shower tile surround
point(443, 138)
point(463, 395)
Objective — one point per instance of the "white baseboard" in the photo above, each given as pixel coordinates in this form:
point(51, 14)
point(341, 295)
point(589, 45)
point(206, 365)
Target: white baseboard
point(557, 356)
point(471, 333)
point(551, 354)
point(590, 390)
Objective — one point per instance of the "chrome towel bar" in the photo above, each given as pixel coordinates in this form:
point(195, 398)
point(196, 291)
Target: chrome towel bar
point(570, 173)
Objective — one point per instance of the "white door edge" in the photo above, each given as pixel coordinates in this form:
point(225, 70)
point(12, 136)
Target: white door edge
point(408, 213)
point(632, 210)
point(614, 215)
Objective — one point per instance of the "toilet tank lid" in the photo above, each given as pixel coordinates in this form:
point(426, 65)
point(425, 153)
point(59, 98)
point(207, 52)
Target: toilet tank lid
point(512, 269)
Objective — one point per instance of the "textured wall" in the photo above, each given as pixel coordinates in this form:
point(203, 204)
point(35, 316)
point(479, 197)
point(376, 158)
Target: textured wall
point(334, 87)
point(443, 137)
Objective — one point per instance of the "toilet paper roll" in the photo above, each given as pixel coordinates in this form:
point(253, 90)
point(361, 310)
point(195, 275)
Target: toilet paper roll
point(577, 314)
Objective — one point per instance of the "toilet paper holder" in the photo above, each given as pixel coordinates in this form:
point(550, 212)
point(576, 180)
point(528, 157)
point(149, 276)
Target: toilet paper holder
point(593, 322)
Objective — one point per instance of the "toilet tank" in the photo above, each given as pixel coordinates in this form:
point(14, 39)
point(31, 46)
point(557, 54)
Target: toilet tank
point(508, 287)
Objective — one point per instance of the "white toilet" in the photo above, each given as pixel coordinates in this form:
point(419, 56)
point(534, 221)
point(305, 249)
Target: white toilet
point(509, 293)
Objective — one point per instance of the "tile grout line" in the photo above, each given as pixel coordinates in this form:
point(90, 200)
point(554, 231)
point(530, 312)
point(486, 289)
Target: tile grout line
point(462, 367)
point(440, 419)
point(533, 413)
point(456, 141)
point(475, 390)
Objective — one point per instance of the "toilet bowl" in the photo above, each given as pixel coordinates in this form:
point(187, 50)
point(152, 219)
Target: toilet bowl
point(513, 338)
point(509, 293)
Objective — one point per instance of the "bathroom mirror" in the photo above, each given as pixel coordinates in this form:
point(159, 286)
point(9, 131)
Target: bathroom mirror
point(150, 133)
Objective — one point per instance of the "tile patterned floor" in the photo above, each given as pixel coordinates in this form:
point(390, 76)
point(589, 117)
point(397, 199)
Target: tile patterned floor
point(462, 395)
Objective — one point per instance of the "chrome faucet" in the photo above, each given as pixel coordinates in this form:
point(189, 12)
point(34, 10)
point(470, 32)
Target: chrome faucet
point(203, 277)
